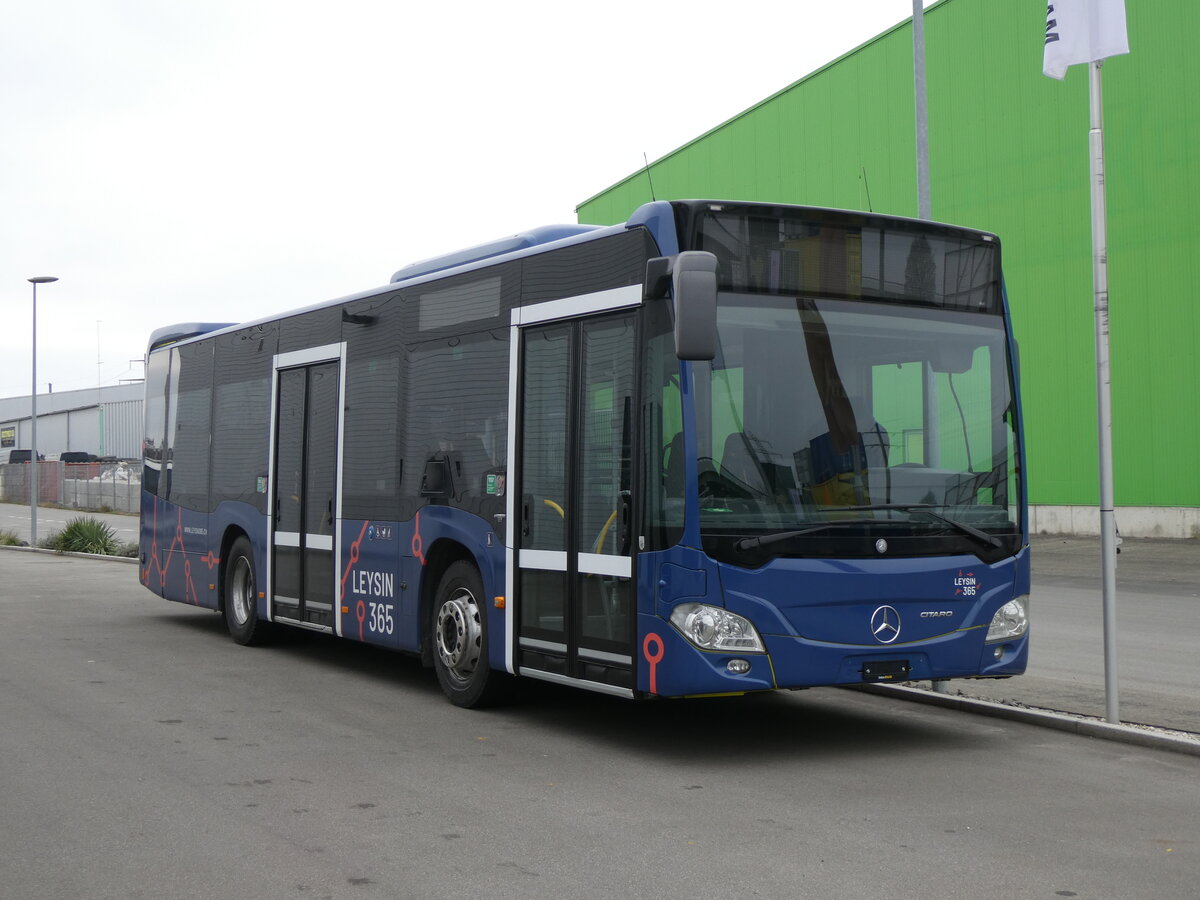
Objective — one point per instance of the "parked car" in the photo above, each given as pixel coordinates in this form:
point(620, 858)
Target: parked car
point(21, 456)
point(76, 456)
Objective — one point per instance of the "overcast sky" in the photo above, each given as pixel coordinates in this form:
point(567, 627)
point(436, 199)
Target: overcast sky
point(224, 160)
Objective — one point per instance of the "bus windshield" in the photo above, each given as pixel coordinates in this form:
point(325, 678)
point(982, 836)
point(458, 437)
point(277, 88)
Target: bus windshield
point(838, 427)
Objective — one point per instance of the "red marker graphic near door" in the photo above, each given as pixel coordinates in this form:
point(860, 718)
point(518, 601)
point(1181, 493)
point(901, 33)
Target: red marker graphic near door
point(654, 658)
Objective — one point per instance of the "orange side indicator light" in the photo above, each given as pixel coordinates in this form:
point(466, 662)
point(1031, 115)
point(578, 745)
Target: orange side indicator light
point(499, 603)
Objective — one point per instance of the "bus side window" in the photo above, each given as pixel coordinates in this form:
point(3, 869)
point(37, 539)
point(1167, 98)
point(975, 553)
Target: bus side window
point(189, 414)
point(462, 418)
point(241, 413)
point(376, 392)
point(663, 458)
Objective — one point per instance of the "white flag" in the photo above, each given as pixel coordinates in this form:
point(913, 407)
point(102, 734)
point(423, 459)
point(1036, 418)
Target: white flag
point(1083, 31)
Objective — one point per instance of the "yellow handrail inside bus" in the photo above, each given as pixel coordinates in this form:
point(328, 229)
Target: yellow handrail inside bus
point(604, 532)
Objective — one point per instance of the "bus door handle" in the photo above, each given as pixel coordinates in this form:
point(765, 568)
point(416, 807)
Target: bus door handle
point(625, 505)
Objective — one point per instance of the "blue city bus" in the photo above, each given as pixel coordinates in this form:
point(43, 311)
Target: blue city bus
point(720, 448)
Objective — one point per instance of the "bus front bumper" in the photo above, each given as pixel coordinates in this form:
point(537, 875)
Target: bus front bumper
point(673, 667)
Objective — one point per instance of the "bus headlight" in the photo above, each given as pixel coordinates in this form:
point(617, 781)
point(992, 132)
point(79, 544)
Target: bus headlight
point(1011, 620)
point(713, 628)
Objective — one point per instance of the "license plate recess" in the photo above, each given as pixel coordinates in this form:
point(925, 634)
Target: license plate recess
point(886, 670)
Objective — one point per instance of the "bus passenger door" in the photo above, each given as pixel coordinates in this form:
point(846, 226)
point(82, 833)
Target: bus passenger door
point(303, 489)
point(571, 571)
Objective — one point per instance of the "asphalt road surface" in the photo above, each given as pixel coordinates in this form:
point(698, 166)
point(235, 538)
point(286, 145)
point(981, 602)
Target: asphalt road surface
point(15, 518)
point(1158, 631)
point(1158, 604)
point(145, 755)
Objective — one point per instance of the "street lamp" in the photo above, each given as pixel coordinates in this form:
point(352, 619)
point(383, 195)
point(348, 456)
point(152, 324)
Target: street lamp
point(33, 454)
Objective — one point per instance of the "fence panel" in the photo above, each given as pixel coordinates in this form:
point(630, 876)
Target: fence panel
point(100, 486)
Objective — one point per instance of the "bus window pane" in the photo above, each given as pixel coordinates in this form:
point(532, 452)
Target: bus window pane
point(190, 414)
point(374, 439)
point(606, 449)
point(289, 449)
point(461, 417)
point(318, 581)
point(156, 425)
point(604, 612)
point(286, 587)
point(322, 448)
point(543, 604)
point(544, 439)
point(241, 415)
point(662, 440)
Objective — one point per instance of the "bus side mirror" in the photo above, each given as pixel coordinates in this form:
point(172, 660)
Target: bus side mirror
point(658, 278)
point(694, 283)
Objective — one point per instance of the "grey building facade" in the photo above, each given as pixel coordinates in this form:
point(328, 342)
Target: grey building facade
point(104, 422)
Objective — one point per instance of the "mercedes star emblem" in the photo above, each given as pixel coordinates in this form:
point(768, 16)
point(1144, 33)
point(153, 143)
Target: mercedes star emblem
point(885, 624)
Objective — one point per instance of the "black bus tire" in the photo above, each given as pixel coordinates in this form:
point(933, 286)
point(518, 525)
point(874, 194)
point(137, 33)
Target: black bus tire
point(241, 596)
point(459, 639)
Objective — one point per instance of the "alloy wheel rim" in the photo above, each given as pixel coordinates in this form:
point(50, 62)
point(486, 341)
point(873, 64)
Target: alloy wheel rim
point(243, 589)
point(459, 634)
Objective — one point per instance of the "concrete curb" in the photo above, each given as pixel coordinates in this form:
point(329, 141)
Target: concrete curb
point(1139, 735)
point(125, 559)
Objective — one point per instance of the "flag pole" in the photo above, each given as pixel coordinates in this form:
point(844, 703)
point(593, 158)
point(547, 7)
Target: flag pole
point(1108, 524)
point(921, 108)
point(924, 207)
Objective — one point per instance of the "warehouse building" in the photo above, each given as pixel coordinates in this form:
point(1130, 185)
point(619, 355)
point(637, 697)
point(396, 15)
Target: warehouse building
point(102, 422)
point(1009, 154)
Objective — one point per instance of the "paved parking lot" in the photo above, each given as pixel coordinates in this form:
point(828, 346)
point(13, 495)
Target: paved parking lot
point(1158, 604)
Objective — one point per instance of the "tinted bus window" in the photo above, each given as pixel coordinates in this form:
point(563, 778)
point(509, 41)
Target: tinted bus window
point(241, 415)
point(156, 420)
point(460, 415)
point(189, 414)
point(373, 447)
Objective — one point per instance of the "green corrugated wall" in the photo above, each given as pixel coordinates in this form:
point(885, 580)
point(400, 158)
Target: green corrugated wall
point(1009, 154)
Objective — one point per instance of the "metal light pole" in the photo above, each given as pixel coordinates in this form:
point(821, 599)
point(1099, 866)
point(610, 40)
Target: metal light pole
point(33, 454)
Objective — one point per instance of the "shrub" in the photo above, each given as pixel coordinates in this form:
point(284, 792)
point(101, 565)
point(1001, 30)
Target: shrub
point(52, 541)
point(87, 535)
point(9, 539)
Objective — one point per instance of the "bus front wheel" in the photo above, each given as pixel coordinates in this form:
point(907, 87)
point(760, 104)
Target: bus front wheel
point(459, 637)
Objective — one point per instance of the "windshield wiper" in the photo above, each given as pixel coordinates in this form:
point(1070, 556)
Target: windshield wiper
point(983, 537)
point(766, 540)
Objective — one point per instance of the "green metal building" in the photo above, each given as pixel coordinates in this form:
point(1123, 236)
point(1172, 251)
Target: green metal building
point(1009, 153)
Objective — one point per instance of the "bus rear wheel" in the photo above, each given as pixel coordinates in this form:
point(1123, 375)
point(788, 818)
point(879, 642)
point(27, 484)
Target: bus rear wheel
point(459, 639)
point(241, 596)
